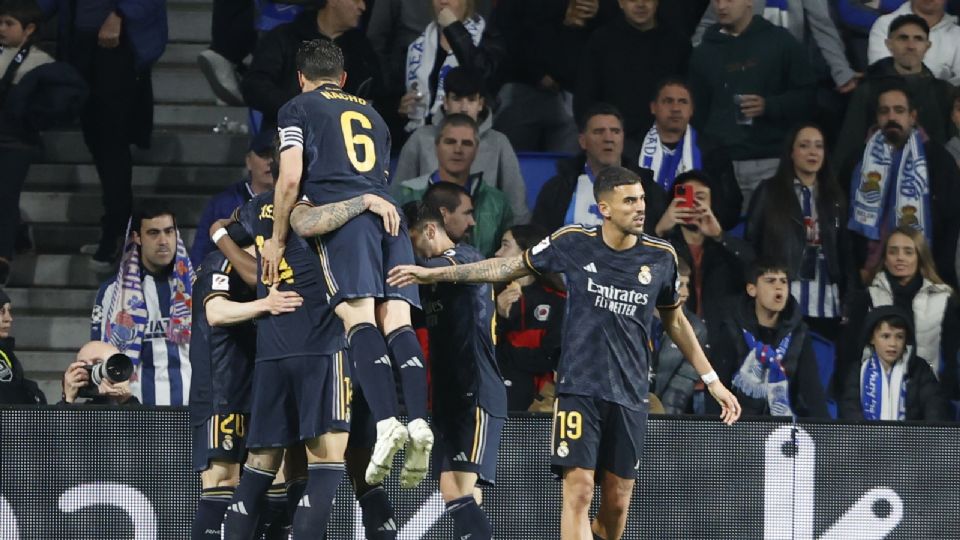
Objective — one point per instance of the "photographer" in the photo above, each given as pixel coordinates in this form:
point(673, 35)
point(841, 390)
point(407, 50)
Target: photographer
point(78, 380)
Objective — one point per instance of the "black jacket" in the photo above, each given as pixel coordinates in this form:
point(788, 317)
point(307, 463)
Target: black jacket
point(15, 389)
point(807, 397)
point(924, 401)
point(834, 237)
point(676, 379)
point(271, 79)
point(556, 194)
point(47, 96)
point(483, 59)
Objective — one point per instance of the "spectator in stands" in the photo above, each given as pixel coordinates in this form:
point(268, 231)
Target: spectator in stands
point(888, 189)
point(797, 217)
point(887, 379)
point(259, 179)
point(908, 41)
point(718, 260)
point(34, 93)
point(145, 310)
point(114, 46)
point(751, 83)
point(457, 37)
point(77, 376)
point(495, 157)
point(856, 18)
point(233, 36)
point(529, 320)
point(271, 79)
point(656, 52)
point(797, 17)
point(15, 388)
point(672, 147)
point(675, 382)
point(953, 145)
point(543, 37)
point(943, 57)
point(908, 279)
point(568, 197)
point(763, 349)
point(456, 148)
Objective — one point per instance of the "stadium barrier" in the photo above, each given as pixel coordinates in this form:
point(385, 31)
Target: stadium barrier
point(71, 473)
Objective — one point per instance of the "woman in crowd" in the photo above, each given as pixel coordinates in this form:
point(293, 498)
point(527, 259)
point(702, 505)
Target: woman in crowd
point(907, 278)
point(798, 217)
point(15, 389)
point(458, 36)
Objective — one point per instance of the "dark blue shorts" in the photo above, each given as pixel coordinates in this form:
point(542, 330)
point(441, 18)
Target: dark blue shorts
point(594, 434)
point(467, 441)
point(357, 257)
point(299, 398)
point(363, 428)
point(222, 437)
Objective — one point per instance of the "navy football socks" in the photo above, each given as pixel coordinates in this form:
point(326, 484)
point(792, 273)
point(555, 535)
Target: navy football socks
point(373, 370)
point(295, 490)
point(378, 523)
point(468, 519)
point(213, 504)
point(243, 513)
point(313, 510)
point(406, 352)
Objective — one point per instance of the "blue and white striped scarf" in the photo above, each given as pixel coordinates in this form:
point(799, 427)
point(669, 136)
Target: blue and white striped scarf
point(761, 374)
point(777, 12)
point(877, 397)
point(652, 154)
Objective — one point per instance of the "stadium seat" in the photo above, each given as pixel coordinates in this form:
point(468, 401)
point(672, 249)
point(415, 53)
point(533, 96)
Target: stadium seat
point(826, 353)
point(537, 168)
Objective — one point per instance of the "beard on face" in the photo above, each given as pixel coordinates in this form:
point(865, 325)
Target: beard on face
point(893, 132)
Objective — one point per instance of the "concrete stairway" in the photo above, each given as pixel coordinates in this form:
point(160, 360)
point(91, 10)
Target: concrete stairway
point(54, 288)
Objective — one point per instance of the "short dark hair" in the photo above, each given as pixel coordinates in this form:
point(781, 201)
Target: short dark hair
point(598, 109)
point(149, 209)
point(909, 18)
point(670, 81)
point(894, 86)
point(419, 213)
point(527, 236)
point(456, 120)
point(610, 177)
point(765, 265)
point(320, 59)
point(26, 12)
point(444, 195)
point(462, 82)
point(693, 175)
point(894, 321)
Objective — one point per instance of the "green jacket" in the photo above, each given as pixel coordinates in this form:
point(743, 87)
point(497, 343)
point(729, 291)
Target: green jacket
point(491, 209)
point(764, 60)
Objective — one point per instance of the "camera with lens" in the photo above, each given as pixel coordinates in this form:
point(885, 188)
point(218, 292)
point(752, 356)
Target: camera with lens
point(116, 369)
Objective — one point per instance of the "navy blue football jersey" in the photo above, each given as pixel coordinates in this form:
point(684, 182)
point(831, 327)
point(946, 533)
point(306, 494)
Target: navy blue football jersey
point(611, 295)
point(461, 323)
point(313, 329)
point(221, 357)
point(346, 144)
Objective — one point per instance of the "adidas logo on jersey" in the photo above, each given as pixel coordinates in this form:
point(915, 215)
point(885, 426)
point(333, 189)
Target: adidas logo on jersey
point(385, 360)
point(239, 508)
point(460, 457)
point(413, 362)
point(304, 502)
point(389, 525)
point(592, 268)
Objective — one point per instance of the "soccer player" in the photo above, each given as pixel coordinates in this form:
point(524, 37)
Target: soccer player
point(616, 276)
point(340, 146)
point(469, 398)
point(222, 350)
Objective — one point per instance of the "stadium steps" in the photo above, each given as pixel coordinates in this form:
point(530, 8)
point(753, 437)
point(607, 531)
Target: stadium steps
point(53, 288)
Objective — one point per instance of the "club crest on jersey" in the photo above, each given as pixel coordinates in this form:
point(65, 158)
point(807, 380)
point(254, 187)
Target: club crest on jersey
point(542, 312)
point(563, 450)
point(227, 443)
point(645, 276)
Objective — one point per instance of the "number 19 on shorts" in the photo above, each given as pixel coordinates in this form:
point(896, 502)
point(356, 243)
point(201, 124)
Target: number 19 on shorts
point(569, 425)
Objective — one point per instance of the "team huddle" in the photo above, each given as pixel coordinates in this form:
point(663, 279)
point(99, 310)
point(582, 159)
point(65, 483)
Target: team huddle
point(302, 332)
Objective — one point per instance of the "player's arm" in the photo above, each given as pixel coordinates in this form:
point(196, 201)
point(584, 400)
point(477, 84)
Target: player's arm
point(677, 326)
point(244, 263)
point(310, 221)
point(284, 197)
point(488, 271)
point(221, 311)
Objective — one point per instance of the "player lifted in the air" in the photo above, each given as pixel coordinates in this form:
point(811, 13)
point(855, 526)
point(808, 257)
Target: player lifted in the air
point(339, 147)
point(616, 276)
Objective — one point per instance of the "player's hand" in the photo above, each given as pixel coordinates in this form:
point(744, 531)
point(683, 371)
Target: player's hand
point(752, 105)
point(446, 17)
point(674, 215)
point(109, 35)
point(117, 392)
point(271, 253)
point(279, 302)
point(386, 210)
point(709, 225)
point(730, 407)
point(507, 298)
point(75, 378)
point(219, 224)
point(408, 274)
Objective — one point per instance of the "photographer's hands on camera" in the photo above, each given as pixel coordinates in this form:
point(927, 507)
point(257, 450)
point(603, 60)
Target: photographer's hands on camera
point(77, 377)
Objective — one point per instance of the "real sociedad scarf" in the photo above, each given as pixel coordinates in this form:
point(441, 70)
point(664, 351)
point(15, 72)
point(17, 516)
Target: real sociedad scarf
point(127, 314)
point(873, 180)
point(652, 157)
point(777, 12)
point(422, 55)
point(877, 396)
point(761, 375)
point(583, 208)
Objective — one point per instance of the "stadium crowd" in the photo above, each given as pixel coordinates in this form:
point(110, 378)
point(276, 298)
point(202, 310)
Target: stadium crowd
point(800, 157)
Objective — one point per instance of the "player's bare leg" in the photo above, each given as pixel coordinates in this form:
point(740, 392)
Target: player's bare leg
point(615, 495)
point(218, 483)
point(324, 472)
point(374, 372)
point(393, 317)
point(577, 496)
point(245, 508)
